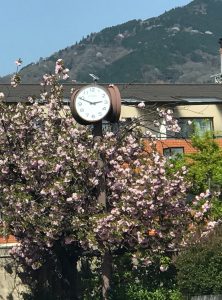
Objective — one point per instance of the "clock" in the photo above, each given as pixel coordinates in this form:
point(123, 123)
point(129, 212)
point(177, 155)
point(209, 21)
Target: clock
point(90, 104)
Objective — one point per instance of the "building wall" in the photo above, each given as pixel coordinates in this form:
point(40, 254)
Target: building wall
point(213, 111)
point(10, 284)
point(175, 143)
point(186, 144)
point(7, 240)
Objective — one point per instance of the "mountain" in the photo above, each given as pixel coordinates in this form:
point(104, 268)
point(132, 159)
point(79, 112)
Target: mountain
point(179, 46)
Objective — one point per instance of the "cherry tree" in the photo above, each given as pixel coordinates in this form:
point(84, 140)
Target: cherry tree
point(50, 179)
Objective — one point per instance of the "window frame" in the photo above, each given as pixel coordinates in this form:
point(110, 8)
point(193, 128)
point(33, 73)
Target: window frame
point(172, 154)
point(187, 134)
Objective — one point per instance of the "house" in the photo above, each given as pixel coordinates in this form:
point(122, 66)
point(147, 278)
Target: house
point(195, 106)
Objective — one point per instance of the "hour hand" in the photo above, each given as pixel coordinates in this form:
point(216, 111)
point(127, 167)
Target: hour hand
point(95, 102)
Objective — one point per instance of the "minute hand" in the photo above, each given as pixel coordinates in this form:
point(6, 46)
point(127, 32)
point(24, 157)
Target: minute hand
point(82, 98)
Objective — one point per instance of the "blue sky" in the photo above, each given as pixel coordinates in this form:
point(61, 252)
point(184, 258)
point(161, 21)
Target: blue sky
point(31, 29)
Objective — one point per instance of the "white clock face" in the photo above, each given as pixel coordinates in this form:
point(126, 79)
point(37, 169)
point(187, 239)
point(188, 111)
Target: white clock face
point(92, 103)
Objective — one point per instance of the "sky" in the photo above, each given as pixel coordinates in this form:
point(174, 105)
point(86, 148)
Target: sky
point(30, 29)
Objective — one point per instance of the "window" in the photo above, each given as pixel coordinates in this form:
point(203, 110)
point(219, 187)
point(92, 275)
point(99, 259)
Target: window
point(173, 151)
point(191, 126)
point(114, 127)
point(107, 126)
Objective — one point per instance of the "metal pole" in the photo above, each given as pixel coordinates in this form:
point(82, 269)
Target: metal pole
point(98, 134)
point(106, 264)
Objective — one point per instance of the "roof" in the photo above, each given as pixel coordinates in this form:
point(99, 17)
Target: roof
point(131, 93)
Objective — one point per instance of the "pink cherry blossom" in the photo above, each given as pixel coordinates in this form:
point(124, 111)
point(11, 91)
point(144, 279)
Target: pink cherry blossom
point(2, 96)
point(141, 105)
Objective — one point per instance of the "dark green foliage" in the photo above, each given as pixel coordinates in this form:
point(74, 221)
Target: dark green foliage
point(151, 277)
point(200, 267)
point(107, 35)
point(195, 57)
point(138, 292)
point(129, 283)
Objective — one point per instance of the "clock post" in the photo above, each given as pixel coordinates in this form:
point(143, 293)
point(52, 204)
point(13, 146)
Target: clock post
point(97, 134)
point(90, 106)
point(106, 266)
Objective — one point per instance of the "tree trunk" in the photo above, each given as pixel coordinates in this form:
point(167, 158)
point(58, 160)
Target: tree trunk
point(49, 284)
point(106, 269)
point(69, 277)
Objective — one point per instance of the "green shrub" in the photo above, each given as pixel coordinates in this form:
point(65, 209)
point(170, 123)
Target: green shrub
point(200, 267)
point(143, 283)
point(137, 292)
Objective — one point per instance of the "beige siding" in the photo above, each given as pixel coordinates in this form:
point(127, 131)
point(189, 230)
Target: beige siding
point(130, 112)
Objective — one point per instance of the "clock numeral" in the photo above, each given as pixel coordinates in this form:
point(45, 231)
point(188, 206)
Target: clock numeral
point(103, 95)
point(105, 102)
point(100, 114)
point(92, 89)
point(82, 109)
point(93, 116)
point(104, 108)
point(79, 103)
point(87, 114)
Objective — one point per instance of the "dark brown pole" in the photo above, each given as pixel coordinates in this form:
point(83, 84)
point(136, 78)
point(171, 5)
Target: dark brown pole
point(106, 269)
point(106, 266)
point(98, 134)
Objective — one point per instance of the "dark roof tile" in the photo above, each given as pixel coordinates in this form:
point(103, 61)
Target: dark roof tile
point(150, 93)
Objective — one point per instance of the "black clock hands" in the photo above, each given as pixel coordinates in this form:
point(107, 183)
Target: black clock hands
point(91, 102)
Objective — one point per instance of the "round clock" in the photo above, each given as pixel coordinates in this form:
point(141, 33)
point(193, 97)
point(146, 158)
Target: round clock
point(90, 104)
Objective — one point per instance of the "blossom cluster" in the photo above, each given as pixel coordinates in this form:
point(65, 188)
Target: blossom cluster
point(149, 209)
point(61, 70)
point(16, 78)
point(168, 119)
